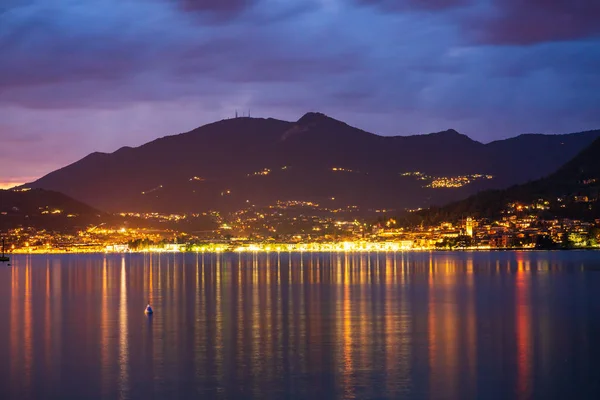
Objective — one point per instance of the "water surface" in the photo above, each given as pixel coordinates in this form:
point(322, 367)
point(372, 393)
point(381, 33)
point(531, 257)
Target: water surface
point(490, 325)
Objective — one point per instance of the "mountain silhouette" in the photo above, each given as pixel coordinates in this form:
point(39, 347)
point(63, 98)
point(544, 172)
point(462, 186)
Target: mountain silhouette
point(572, 192)
point(44, 209)
point(232, 163)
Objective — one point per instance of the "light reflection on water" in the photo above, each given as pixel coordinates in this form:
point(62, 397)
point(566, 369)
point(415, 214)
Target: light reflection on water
point(411, 325)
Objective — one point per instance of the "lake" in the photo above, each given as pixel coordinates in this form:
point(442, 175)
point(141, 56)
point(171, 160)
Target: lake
point(486, 325)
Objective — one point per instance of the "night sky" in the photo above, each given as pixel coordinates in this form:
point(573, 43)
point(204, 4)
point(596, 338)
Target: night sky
point(78, 76)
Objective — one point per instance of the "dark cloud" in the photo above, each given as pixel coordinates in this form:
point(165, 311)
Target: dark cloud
point(510, 22)
point(416, 5)
point(220, 8)
point(84, 73)
point(38, 48)
point(217, 5)
point(248, 12)
point(534, 21)
point(297, 68)
point(54, 60)
point(6, 5)
point(581, 59)
point(517, 22)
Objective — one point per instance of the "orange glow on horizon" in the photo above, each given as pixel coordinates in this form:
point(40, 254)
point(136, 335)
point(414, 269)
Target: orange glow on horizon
point(10, 185)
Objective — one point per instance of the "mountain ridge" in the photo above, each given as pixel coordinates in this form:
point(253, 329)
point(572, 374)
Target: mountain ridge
point(316, 158)
point(572, 191)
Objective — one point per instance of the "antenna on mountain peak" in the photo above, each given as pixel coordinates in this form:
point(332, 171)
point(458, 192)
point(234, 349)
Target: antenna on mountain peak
point(236, 114)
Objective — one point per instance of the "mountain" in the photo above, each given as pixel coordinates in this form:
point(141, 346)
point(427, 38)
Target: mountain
point(229, 164)
point(572, 191)
point(44, 209)
point(50, 210)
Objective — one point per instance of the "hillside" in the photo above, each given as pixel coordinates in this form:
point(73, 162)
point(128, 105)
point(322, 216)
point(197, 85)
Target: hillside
point(44, 209)
point(229, 164)
point(572, 191)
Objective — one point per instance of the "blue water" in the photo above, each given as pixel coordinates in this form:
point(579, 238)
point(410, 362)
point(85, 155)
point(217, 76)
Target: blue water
point(490, 325)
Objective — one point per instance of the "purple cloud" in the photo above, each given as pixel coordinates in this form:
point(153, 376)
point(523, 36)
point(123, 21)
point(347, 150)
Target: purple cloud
point(511, 22)
point(217, 11)
point(227, 6)
point(101, 74)
point(416, 5)
point(517, 22)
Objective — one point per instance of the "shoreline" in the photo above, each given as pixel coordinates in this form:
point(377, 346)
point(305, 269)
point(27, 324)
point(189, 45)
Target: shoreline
point(270, 251)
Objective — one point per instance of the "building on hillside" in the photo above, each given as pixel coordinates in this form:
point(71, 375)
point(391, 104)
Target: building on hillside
point(469, 226)
point(501, 240)
point(174, 247)
point(117, 248)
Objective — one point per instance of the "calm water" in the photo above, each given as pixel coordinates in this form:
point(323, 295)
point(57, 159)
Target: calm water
point(414, 326)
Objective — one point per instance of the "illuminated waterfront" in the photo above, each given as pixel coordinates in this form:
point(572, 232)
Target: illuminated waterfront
point(313, 247)
point(314, 325)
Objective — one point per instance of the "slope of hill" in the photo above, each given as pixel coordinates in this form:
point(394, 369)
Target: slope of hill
point(572, 191)
point(44, 209)
point(231, 163)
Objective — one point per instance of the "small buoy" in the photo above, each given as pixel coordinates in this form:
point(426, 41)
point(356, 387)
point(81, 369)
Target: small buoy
point(149, 309)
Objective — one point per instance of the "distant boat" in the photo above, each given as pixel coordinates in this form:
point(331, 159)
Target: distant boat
point(4, 258)
point(148, 309)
